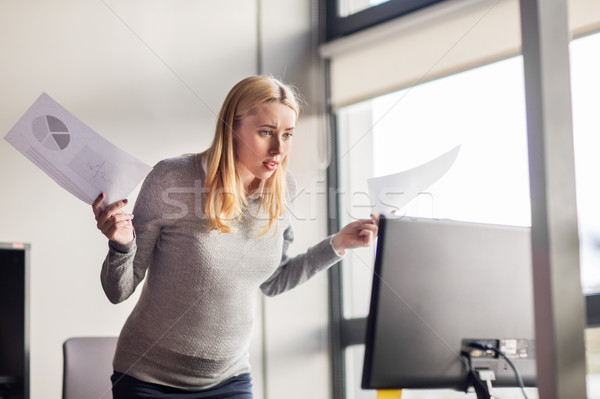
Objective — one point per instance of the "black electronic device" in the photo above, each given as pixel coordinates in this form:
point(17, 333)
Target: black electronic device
point(448, 298)
point(14, 318)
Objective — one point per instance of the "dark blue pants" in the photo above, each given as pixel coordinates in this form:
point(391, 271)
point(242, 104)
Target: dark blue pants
point(127, 387)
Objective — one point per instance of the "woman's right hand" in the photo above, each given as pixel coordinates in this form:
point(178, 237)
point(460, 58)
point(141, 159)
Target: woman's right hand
point(112, 221)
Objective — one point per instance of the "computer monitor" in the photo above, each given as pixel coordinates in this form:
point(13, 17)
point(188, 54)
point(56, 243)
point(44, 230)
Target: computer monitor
point(14, 316)
point(439, 285)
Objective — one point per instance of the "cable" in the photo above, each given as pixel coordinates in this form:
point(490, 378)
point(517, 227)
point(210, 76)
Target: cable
point(480, 387)
point(486, 347)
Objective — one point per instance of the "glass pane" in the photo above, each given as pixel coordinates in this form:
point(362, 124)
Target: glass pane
point(481, 110)
point(585, 81)
point(349, 7)
point(354, 202)
point(592, 354)
point(355, 356)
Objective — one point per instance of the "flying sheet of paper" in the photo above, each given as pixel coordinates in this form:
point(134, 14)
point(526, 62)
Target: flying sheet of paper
point(73, 155)
point(392, 192)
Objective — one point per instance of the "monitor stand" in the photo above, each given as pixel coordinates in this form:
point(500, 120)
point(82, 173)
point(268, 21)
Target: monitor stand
point(481, 381)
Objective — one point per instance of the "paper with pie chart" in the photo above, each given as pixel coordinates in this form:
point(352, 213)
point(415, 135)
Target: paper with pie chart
point(72, 154)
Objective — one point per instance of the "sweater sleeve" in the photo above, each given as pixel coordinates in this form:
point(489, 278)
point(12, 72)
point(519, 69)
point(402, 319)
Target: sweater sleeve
point(293, 271)
point(296, 270)
point(125, 265)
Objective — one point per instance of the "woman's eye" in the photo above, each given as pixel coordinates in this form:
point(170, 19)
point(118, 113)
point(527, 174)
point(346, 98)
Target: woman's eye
point(264, 132)
point(288, 135)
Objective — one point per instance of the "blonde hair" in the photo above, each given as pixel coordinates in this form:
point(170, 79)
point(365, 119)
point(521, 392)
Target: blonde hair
point(225, 198)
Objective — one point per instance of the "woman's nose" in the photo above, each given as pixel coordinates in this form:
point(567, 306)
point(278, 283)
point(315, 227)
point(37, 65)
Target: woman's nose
point(276, 146)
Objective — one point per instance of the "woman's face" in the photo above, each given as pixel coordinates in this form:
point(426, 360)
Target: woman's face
point(262, 140)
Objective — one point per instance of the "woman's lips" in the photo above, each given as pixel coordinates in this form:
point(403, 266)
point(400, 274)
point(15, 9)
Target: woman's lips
point(271, 165)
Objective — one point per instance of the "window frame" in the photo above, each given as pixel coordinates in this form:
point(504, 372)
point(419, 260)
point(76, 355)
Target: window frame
point(336, 26)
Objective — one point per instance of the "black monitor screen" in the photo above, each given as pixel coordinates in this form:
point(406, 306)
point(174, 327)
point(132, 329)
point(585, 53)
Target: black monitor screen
point(439, 285)
point(13, 320)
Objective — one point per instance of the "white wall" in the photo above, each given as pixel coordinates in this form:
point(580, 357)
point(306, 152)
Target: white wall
point(149, 76)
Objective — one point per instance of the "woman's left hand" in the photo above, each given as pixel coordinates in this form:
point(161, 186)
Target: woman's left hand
point(361, 233)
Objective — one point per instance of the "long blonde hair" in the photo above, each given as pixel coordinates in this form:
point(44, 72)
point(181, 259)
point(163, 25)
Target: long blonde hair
point(225, 198)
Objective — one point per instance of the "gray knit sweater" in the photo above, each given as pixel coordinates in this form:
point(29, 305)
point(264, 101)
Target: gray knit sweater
point(192, 324)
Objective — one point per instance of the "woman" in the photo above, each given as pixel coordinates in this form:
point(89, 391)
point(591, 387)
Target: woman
point(210, 229)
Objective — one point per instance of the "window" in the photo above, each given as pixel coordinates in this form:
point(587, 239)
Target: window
point(585, 80)
point(349, 7)
point(483, 111)
point(349, 16)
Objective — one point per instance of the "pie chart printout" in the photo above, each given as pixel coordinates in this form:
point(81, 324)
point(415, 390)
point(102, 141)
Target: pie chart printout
point(51, 132)
point(73, 154)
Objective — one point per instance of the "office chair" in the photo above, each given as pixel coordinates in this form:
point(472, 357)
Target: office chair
point(87, 367)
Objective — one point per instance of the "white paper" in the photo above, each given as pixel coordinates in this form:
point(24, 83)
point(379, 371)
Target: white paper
point(392, 192)
point(73, 155)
